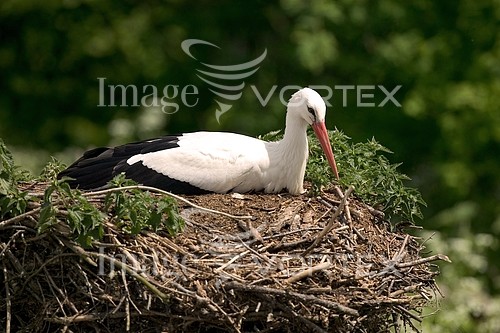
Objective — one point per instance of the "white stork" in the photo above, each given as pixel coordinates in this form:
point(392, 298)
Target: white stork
point(203, 162)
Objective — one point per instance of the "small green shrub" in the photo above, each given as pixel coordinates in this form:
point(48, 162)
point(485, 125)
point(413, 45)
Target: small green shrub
point(13, 201)
point(364, 165)
point(131, 209)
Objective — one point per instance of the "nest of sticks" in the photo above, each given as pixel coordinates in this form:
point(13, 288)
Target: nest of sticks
point(299, 264)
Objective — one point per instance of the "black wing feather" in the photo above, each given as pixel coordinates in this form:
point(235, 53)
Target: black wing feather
point(98, 166)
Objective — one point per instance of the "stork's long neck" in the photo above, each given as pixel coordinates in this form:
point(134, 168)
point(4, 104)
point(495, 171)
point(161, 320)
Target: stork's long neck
point(292, 153)
point(294, 142)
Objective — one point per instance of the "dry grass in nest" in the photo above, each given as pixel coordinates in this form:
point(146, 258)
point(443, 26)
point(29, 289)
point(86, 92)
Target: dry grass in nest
point(300, 264)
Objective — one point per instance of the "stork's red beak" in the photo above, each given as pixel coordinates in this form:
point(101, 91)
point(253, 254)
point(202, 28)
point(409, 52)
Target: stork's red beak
point(322, 134)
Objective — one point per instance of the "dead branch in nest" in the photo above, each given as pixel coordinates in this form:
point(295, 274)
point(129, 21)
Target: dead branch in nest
point(301, 271)
point(308, 299)
point(330, 224)
point(156, 190)
point(308, 272)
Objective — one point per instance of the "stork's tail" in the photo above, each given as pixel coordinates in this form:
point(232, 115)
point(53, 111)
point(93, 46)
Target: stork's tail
point(93, 170)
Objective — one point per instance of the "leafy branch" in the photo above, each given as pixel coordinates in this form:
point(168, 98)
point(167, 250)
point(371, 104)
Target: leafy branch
point(131, 210)
point(13, 201)
point(363, 165)
point(135, 210)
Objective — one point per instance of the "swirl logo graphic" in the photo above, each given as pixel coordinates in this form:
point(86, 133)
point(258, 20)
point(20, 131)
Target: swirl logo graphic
point(229, 78)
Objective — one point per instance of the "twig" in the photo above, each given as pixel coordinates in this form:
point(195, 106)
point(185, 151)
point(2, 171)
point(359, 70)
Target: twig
point(78, 318)
point(78, 250)
point(405, 290)
point(395, 323)
point(127, 302)
point(349, 218)
point(423, 261)
point(288, 233)
point(209, 302)
point(11, 239)
point(42, 266)
point(153, 189)
point(253, 231)
point(135, 264)
point(19, 268)
point(290, 245)
point(233, 259)
point(356, 231)
point(8, 309)
point(131, 272)
point(375, 212)
point(52, 286)
point(20, 217)
point(310, 325)
point(308, 272)
point(348, 213)
point(422, 245)
point(167, 243)
point(331, 223)
point(399, 256)
point(304, 297)
point(414, 316)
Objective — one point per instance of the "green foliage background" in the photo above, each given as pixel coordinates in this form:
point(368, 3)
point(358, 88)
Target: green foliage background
point(445, 54)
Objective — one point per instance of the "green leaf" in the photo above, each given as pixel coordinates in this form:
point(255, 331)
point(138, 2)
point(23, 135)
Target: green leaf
point(51, 170)
point(47, 217)
point(13, 201)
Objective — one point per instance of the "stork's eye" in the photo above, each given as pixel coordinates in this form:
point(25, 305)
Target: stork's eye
point(311, 111)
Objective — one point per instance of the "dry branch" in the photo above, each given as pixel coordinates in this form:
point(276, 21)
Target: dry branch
point(175, 196)
point(331, 223)
point(308, 272)
point(308, 299)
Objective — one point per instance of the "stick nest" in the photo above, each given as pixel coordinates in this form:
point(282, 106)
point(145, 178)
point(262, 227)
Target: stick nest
point(300, 264)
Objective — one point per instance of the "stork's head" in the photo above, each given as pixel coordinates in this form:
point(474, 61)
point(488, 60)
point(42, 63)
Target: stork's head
point(310, 106)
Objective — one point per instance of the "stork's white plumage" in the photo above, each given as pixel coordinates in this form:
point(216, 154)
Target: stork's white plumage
point(218, 162)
